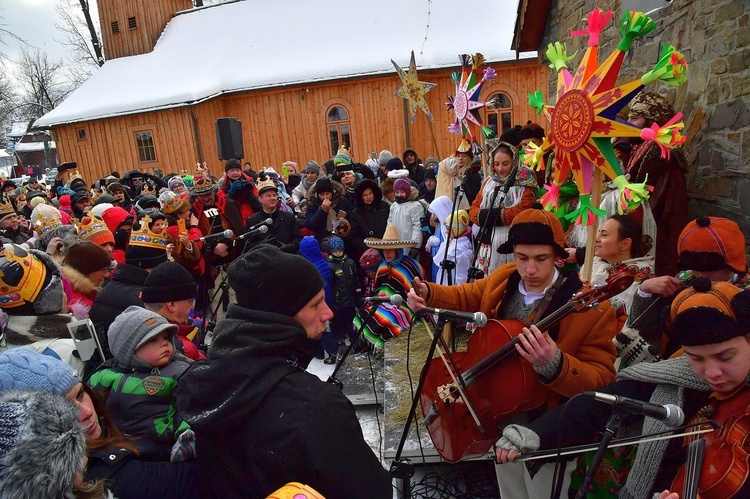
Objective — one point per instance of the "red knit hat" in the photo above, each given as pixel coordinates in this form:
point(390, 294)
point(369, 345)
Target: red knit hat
point(712, 243)
point(114, 217)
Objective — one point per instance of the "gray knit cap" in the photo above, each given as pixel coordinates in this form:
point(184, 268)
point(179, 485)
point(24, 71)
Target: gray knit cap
point(312, 166)
point(384, 157)
point(131, 329)
point(25, 370)
point(42, 447)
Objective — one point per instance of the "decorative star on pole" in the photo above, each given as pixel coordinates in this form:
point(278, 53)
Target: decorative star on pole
point(412, 89)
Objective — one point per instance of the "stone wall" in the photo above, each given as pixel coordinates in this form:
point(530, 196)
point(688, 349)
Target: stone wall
point(714, 36)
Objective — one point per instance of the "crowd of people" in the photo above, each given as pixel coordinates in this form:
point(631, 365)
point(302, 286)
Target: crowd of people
point(209, 296)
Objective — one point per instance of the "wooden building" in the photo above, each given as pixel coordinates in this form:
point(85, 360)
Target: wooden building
point(157, 108)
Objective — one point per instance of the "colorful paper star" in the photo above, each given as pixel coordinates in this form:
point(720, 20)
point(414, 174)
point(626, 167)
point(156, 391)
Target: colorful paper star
point(412, 89)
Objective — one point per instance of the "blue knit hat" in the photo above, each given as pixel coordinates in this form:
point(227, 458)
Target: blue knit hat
point(25, 370)
point(335, 243)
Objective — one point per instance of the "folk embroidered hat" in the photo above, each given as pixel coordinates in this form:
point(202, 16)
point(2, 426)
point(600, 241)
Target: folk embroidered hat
point(712, 243)
point(708, 313)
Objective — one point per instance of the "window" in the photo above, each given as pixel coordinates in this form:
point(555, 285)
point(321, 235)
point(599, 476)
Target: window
point(115, 27)
point(338, 128)
point(501, 118)
point(131, 23)
point(81, 133)
point(144, 141)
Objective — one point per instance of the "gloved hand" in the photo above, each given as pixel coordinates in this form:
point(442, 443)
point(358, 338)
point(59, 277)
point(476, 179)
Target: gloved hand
point(236, 187)
point(184, 448)
point(432, 242)
point(519, 438)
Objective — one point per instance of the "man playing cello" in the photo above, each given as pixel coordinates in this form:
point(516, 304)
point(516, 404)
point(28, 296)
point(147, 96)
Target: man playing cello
point(580, 358)
point(712, 323)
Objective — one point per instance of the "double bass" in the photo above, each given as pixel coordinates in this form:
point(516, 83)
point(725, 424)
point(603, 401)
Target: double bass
point(468, 394)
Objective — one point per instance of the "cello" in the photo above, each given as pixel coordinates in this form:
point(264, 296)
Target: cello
point(461, 401)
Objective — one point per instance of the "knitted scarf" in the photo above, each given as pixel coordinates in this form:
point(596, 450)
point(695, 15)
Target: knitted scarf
point(674, 376)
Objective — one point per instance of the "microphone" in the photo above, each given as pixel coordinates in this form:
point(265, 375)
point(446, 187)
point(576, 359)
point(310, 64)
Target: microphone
point(478, 318)
point(511, 180)
point(262, 229)
point(267, 221)
point(393, 300)
point(221, 235)
point(671, 414)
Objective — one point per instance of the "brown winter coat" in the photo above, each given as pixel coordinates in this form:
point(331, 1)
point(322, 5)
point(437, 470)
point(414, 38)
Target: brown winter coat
point(585, 338)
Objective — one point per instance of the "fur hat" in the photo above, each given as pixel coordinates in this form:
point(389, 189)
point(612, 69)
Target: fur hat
point(384, 157)
point(712, 243)
point(95, 231)
point(512, 136)
point(323, 185)
point(652, 106)
point(394, 164)
point(335, 243)
point(42, 445)
point(390, 240)
point(25, 370)
point(709, 313)
point(168, 281)
point(131, 329)
point(535, 226)
point(312, 166)
point(86, 257)
point(30, 282)
point(261, 276)
point(115, 187)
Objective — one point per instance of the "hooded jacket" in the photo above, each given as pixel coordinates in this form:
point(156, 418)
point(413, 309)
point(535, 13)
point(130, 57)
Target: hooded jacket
point(262, 421)
point(368, 220)
point(318, 220)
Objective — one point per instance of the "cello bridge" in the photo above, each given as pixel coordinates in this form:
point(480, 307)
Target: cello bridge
point(449, 394)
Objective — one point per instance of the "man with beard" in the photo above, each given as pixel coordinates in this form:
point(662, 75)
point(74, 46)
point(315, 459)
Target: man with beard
point(261, 419)
point(668, 200)
point(411, 163)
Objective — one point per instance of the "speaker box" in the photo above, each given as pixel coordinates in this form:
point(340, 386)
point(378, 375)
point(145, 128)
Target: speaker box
point(229, 138)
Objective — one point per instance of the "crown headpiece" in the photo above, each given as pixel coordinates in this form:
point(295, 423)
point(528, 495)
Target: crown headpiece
point(6, 207)
point(90, 228)
point(22, 276)
point(147, 239)
point(148, 188)
point(44, 218)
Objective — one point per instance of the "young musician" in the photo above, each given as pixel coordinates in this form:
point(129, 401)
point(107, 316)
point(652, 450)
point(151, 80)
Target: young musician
point(573, 356)
point(712, 323)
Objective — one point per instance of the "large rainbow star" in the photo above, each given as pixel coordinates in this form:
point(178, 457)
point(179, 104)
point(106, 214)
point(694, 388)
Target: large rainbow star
point(412, 89)
point(584, 119)
point(466, 104)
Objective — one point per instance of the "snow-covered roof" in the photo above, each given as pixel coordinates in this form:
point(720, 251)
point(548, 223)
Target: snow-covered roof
point(255, 44)
point(18, 129)
point(33, 146)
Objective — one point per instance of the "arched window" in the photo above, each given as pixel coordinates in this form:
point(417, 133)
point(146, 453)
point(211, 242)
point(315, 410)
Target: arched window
point(338, 128)
point(500, 119)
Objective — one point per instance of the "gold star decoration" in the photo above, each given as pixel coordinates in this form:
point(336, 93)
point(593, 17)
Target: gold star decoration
point(412, 89)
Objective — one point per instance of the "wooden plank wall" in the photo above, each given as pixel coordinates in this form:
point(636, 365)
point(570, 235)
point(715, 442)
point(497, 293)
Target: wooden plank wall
point(151, 18)
point(290, 123)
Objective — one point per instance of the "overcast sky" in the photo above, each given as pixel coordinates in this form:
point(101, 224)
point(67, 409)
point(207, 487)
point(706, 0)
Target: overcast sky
point(34, 22)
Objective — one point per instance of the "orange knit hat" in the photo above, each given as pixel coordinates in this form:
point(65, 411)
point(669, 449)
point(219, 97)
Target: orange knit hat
point(535, 226)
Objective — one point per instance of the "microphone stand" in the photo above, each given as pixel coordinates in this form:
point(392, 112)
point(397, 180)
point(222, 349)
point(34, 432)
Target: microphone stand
point(487, 227)
point(613, 424)
point(332, 378)
point(402, 468)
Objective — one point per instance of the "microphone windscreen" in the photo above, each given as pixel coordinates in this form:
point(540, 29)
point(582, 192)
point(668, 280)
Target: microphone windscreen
point(228, 233)
point(397, 300)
